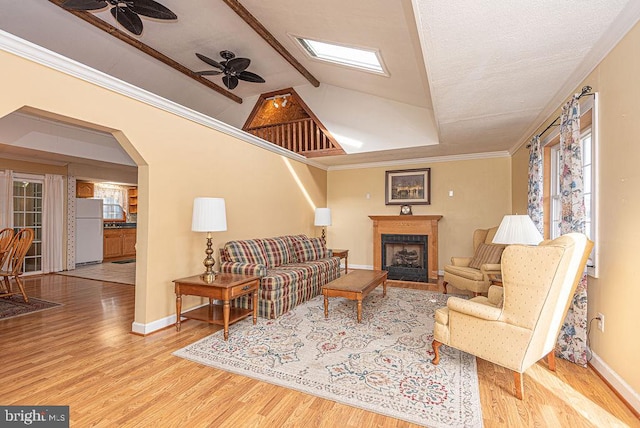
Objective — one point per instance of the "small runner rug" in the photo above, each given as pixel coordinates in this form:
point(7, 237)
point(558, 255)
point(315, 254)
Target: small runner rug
point(14, 306)
point(382, 365)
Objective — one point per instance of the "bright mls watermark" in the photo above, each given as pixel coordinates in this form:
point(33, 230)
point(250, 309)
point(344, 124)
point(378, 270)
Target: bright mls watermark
point(34, 416)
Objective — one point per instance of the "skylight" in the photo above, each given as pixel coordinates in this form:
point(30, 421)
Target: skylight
point(367, 59)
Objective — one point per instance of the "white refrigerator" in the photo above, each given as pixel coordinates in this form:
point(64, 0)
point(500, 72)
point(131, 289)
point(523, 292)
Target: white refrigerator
point(88, 231)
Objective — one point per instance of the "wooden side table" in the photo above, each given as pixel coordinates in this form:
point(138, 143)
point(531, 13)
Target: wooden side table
point(495, 279)
point(225, 287)
point(343, 254)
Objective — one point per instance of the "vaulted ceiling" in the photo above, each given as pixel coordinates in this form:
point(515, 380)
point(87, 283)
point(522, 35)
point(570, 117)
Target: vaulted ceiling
point(463, 77)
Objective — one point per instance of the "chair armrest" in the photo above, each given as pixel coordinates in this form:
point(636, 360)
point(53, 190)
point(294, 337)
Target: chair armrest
point(491, 268)
point(495, 295)
point(474, 309)
point(243, 268)
point(460, 261)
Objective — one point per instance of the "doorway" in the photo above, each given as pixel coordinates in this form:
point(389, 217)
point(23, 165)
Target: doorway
point(27, 213)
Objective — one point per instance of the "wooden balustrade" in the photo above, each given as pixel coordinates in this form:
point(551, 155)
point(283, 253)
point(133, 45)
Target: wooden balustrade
point(302, 136)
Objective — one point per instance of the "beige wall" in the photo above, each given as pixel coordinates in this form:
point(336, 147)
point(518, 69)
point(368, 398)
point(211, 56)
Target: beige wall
point(616, 292)
point(481, 197)
point(178, 160)
point(519, 181)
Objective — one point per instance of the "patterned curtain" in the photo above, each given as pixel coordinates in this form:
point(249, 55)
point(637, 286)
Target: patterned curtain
point(536, 177)
point(111, 193)
point(573, 336)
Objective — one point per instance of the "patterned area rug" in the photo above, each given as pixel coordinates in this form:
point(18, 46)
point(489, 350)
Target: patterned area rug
point(15, 306)
point(382, 364)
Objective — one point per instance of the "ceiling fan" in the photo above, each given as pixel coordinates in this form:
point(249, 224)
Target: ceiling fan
point(233, 69)
point(125, 11)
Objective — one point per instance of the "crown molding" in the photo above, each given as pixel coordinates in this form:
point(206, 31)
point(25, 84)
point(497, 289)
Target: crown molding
point(435, 159)
point(32, 52)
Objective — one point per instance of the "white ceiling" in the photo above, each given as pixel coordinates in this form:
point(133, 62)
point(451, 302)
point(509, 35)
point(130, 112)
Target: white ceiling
point(483, 75)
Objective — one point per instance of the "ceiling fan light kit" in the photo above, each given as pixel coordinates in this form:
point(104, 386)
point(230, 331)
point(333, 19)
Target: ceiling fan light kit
point(126, 12)
point(233, 68)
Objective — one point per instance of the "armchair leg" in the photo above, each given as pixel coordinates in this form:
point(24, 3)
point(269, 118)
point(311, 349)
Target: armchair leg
point(444, 285)
point(518, 378)
point(436, 349)
point(551, 360)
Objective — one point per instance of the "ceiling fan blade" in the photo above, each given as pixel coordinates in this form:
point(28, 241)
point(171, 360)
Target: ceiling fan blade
point(250, 77)
point(210, 62)
point(208, 73)
point(238, 64)
point(128, 19)
point(84, 4)
point(152, 9)
point(230, 81)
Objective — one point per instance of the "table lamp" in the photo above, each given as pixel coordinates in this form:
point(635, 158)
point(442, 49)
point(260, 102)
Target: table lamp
point(517, 229)
point(209, 215)
point(323, 218)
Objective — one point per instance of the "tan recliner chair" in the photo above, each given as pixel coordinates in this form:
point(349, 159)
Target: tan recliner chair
point(538, 285)
point(466, 278)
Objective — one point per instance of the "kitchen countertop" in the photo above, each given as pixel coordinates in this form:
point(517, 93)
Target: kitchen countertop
point(120, 225)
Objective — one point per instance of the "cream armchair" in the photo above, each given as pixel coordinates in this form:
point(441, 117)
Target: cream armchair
point(464, 274)
point(517, 324)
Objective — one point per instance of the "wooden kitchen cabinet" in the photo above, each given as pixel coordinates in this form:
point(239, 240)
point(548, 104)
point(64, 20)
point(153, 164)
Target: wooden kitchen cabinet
point(119, 243)
point(129, 242)
point(133, 200)
point(112, 243)
point(84, 189)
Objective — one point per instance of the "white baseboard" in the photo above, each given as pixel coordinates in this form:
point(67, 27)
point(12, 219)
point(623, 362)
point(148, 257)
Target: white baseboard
point(144, 329)
point(365, 267)
point(622, 387)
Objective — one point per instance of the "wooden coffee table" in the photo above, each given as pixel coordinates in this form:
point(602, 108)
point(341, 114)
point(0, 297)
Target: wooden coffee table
point(225, 287)
point(354, 286)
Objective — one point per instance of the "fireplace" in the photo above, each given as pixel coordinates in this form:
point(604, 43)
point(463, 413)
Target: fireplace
point(405, 257)
point(425, 226)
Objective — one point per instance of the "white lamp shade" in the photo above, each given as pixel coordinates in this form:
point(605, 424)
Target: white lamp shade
point(209, 215)
point(323, 217)
point(517, 229)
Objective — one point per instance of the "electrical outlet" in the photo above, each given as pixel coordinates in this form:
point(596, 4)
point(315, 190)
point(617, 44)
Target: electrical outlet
point(600, 318)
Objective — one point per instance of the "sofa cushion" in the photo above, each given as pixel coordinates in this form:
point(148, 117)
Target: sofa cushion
point(277, 251)
point(486, 253)
point(280, 280)
point(291, 239)
point(310, 249)
point(247, 251)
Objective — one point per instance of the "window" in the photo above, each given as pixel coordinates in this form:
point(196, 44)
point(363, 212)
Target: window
point(364, 59)
point(114, 198)
point(552, 181)
point(111, 210)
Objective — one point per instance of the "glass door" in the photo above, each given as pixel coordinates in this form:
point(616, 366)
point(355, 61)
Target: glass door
point(27, 212)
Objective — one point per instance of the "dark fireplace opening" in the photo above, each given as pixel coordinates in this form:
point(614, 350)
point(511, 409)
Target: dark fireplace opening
point(405, 257)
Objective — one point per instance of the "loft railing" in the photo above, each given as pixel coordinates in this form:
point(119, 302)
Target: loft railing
point(302, 136)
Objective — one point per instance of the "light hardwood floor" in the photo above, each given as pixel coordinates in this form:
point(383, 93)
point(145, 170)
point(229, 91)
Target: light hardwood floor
point(82, 355)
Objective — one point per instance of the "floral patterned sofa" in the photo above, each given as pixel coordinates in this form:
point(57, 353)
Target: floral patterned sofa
point(293, 269)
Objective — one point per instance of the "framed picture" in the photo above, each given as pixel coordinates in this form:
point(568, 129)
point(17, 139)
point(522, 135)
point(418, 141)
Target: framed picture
point(408, 187)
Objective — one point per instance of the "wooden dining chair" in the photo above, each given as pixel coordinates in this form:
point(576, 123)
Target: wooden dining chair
point(20, 244)
point(6, 235)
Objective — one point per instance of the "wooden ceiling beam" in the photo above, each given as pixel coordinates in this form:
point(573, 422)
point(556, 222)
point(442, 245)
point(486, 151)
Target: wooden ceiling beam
point(110, 29)
point(269, 38)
